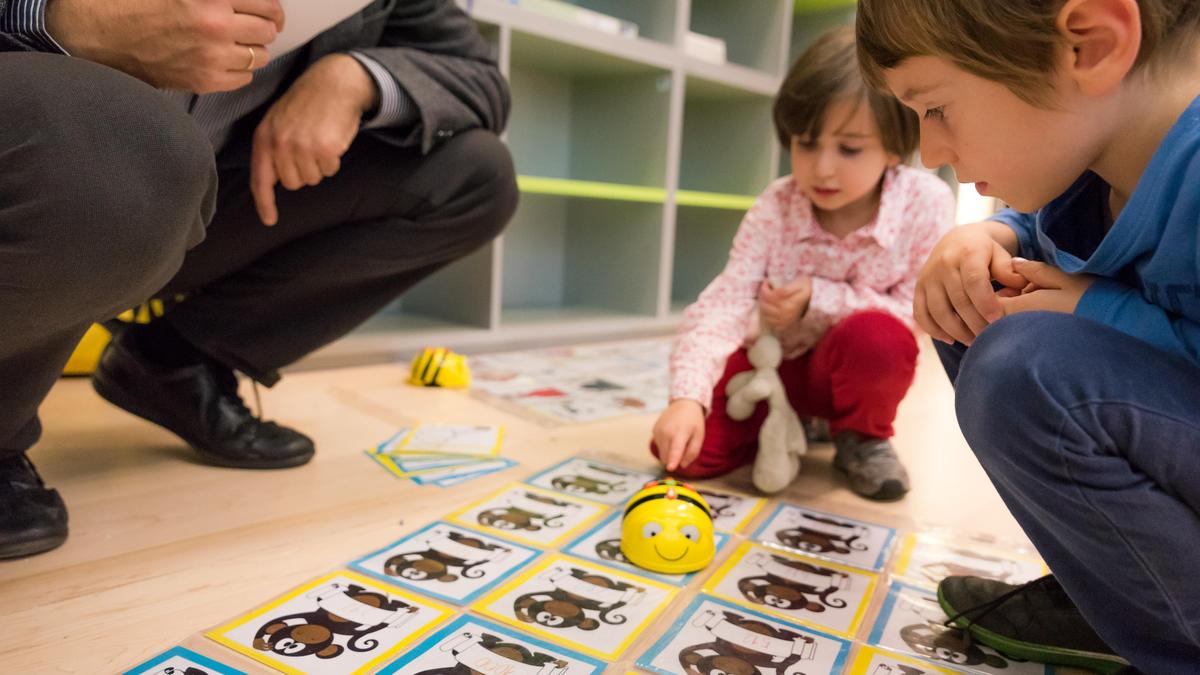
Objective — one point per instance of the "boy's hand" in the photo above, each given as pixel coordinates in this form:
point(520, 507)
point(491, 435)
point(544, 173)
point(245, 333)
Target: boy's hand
point(781, 307)
point(679, 432)
point(1050, 289)
point(954, 299)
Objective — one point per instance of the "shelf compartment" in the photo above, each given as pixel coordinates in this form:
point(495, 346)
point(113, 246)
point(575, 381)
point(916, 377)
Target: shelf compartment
point(753, 30)
point(814, 20)
point(580, 259)
point(728, 143)
point(714, 200)
point(587, 116)
point(703, 237)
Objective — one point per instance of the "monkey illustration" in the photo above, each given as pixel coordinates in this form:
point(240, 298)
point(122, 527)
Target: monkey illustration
point(592, 479)
point(721, 505)
point(942, 643)
point(487, 654)
point(817, 534)
point(610, 549)
point(187, 670)
point(575, 596)
point(446, 550)
point(792, 584)
point(968, 564)
point(529, 511)
point(353, 612)
point(743, 646)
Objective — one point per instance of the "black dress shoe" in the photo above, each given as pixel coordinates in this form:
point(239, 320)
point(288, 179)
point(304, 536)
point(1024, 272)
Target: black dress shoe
point(32, 518)
point(200, 404)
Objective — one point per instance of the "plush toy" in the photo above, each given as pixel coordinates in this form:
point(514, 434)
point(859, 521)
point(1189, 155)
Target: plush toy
point(781, 440)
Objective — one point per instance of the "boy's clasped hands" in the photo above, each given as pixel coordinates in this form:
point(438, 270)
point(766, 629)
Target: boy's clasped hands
point(955, 300)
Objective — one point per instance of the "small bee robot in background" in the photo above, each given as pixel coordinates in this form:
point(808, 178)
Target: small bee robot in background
point(668, 528)
point(440, 367)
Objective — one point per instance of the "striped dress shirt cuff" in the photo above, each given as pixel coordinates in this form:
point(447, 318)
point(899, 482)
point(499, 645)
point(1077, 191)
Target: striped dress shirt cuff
point(27, 18)
point(395, 107)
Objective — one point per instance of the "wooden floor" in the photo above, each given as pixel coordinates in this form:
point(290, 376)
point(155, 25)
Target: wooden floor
point(162, 547)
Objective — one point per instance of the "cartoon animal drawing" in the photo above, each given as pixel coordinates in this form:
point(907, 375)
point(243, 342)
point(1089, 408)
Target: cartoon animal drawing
point(792, 584)
point(446, 551)
point(348, 611)
point(942, 643)
point(743, 646)
point(487, 654)
point(578, 599)
point(610, 549)
point(528, 511)
point(591, 479)
point(818, 534)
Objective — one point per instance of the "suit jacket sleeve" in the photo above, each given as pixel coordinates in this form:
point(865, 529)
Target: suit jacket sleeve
point(444, 65)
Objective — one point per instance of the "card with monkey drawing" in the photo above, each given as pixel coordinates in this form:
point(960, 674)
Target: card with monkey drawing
point(530, 515)
point(925, 559)
point(592, 479)
point(471, 645)
point(340, 623)
point(447, 562)
point(805, 590)
point(181, 661)
point(912, 621)
point(731, 511)
point(826, 535)
point(593, 609)
point(714, 636)
point(872, 661)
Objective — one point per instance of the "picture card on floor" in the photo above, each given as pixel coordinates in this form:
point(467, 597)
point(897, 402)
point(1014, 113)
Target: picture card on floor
point(447, 562)
point(925, 559)
point(732, 512)
point(451, 439)
point(603, 545)
point(817, 593)
point(472, 470)
point(872, 661)
point(593, 479)
point(911, 621)
point(826, 535)
point(712, 634)
point(590, 608)
point(181, 661)
point(449, 481)
point(340, 623)
point(530, 515)
point(471, 645)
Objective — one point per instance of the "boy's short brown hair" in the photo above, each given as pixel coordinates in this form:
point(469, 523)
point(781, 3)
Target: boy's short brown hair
point(1012, 43)
point(828, 72)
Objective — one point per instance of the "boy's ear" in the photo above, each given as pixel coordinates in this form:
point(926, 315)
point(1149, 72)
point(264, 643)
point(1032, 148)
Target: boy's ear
point(1103, 38)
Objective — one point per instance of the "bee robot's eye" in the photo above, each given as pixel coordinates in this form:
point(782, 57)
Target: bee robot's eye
point(651, 530)
point(691, 532)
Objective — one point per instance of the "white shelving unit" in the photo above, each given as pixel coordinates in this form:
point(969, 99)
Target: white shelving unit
point(636, 162)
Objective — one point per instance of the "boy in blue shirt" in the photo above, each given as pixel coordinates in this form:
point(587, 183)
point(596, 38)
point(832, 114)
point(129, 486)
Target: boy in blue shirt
point(1077, 383)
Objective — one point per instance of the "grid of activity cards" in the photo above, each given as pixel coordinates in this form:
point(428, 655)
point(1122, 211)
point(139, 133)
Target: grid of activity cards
point(530, 580)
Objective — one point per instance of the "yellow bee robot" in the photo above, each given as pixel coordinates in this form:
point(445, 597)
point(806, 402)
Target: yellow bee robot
point(440, 367)
point(668, 528)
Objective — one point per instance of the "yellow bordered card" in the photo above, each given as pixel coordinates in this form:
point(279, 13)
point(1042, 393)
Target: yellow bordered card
point(449, 439)
point(592, 609)
point(340, 623)
point(872, 661)
point(732, 512)
point(808, 591)
point(530, 515)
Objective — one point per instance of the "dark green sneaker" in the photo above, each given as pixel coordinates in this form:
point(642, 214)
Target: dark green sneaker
point(1034, 621)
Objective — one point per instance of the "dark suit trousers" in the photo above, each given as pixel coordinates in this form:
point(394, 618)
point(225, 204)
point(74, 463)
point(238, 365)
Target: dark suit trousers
point(106, 189)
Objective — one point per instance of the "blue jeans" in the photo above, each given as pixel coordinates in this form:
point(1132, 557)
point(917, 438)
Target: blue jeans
point(1092, 438)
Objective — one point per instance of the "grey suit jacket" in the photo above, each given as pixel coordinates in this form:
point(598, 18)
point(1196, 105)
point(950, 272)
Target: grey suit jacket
point(432, 49)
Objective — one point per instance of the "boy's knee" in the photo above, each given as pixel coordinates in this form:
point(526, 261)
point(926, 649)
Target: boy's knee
point(1007, 376)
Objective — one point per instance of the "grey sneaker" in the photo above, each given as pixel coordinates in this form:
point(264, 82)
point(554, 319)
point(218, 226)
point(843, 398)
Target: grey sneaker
point(871, 466)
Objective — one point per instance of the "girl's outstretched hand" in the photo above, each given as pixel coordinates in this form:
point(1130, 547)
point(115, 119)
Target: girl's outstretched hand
point(679, 433)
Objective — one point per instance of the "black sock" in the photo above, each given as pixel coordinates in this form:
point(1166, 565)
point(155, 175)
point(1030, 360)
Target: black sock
point(164, 346)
